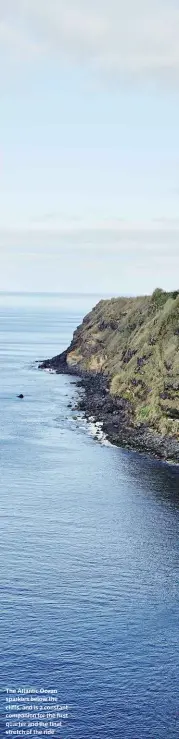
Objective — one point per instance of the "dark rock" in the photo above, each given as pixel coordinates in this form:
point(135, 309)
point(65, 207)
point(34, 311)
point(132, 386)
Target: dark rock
point(116, 413)
point(110, 324)
point(20, 396)
point(141, 360)
point(57, 363)
point(152, 341)
point(113, 325)
point(172, 386)
point(128, 354)
point(172, 413)
point(168, 365)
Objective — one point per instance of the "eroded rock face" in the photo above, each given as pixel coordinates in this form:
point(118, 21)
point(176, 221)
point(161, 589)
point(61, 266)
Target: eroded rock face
point(127, 353)
point(57, 363)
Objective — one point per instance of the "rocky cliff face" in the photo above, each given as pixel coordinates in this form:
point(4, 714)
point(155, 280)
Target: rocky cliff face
point(127, 352)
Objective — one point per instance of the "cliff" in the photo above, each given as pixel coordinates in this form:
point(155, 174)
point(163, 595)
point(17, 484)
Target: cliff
point(127, 352)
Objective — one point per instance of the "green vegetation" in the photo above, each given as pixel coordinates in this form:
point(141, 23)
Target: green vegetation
point(144, 412)
point(135, 341)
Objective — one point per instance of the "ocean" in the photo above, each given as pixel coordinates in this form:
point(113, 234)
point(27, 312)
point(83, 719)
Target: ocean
point(88, 546)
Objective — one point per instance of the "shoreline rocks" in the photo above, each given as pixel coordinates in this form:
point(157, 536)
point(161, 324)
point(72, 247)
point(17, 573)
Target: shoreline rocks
point(114, 413)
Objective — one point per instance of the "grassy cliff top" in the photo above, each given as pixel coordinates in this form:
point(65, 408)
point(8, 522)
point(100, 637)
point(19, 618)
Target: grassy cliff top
point(135, 341)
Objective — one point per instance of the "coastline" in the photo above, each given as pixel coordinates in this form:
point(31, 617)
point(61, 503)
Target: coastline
point(111, 414)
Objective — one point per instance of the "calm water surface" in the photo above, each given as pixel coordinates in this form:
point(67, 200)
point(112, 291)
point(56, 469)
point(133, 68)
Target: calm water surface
point(88, 546)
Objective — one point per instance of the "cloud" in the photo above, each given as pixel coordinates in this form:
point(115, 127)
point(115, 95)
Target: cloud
point(130, 262)
point(16, 43)
point(136, 39)
point(157, 238)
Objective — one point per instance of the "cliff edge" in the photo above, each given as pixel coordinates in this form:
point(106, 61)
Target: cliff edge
point(127, 353)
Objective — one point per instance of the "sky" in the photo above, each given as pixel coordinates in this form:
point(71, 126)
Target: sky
point(89, 145)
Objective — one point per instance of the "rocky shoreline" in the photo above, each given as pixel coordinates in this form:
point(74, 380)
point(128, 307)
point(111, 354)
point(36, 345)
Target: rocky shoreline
point(114, 413)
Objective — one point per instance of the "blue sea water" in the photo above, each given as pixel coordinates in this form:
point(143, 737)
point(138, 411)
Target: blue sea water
point(88, 547)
